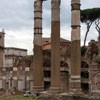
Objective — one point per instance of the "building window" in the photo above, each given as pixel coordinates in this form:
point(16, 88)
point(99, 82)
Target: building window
point(47, 74)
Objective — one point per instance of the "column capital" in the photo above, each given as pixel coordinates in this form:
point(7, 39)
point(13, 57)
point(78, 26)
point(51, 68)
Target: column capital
point(75, 2)
point(37, 5)
point(55, 4)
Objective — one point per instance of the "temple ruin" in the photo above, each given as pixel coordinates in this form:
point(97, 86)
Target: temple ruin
point(75, 83)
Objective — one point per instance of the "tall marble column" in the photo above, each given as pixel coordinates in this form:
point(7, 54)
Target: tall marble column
point(55, 46)
point(2, 34)
point(75, 79)
point(2, 58)
point(38, 68)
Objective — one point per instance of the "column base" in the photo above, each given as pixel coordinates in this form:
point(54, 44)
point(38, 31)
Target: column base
point(55, 89)
point(37, 89)
point(75, 92)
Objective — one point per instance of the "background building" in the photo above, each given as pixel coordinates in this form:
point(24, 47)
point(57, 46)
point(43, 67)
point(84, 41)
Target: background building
point(9, 74)
point(16, 67)
point(65, 46)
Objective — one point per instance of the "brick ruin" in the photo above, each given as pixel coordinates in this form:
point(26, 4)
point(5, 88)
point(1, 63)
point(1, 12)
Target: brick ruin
point(74, 76)
point(57, 64)
point(80, 68)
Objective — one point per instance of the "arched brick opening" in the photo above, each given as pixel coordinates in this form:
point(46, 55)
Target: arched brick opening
point(84, 77)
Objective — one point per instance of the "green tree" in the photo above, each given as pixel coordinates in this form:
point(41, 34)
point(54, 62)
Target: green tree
point(97, 23)
point(88, 16)
point(98, 59)
point(83, 50)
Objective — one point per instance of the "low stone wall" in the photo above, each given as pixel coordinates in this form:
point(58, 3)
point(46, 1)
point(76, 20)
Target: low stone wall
point(74, 98)
point(63, 97)
point(48, 97)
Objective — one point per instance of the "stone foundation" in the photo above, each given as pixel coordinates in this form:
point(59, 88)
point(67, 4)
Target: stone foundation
point(64, 97)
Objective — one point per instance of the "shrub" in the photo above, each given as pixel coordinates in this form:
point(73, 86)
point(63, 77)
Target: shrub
point(83, 50)
point(98, 59)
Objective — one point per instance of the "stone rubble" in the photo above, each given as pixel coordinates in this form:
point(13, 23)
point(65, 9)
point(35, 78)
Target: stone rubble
point(50, 96)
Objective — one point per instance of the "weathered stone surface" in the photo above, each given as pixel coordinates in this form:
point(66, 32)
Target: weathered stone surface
point(64, 97)
point(48, 97)
point(73, 98)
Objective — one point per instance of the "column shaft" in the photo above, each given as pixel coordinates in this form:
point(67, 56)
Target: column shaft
point(55, 47)
point(75, 83)
point(2, 34)
point(38, 68)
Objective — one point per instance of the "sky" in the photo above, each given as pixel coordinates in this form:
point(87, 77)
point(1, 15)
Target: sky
point(16, 18)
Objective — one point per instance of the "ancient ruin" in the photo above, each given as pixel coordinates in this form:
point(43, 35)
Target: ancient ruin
point(38, 69)
point(58, 67)
point(55, 46)
point(75, 78)
point(75, 85)
point(74, 81)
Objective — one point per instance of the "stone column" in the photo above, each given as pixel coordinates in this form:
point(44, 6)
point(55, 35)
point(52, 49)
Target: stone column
point(55, 47)
point(4, 83)
point(75, 83)
point(15, 83)
point(2, 34)
point(65, 82)
point(38, 68)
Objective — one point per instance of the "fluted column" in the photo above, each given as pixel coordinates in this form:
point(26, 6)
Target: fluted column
point(75, 83)
point(38, 68)
point(55, 46)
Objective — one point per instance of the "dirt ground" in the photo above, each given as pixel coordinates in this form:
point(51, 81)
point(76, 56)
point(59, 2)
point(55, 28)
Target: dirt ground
point(16, 97)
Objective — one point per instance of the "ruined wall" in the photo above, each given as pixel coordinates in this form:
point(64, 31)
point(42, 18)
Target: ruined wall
point(65, 97)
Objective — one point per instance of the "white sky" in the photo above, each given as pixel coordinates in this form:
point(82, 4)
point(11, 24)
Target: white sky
point(16, 17)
